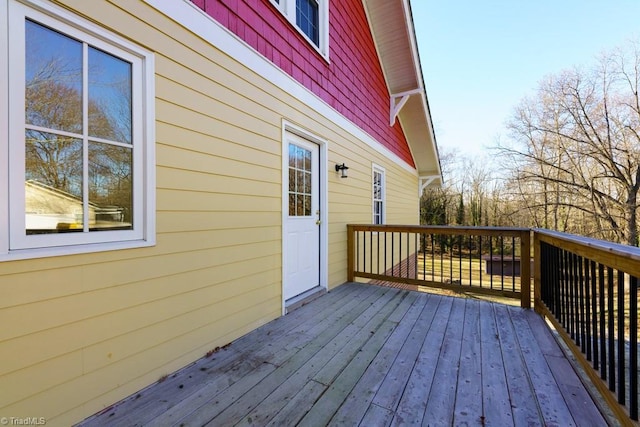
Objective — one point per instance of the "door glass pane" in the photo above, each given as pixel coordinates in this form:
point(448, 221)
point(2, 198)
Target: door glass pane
point(110, 187)
point(109, 97)
point(53, 183)
point(300, 191)
point(53, 79)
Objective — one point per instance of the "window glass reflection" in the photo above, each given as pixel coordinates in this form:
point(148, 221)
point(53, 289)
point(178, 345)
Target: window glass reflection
point(109, 97)
point(53, 79)
point(110, 187)
point(53, 183)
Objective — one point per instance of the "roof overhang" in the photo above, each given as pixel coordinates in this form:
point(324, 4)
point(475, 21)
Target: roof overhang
point(393, 33)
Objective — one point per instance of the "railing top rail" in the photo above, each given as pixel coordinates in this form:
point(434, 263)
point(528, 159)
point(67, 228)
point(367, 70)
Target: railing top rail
point(442, 229)
point(622, 257)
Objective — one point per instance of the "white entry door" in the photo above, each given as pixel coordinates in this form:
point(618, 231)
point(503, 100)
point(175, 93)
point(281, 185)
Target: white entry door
point(302, 270)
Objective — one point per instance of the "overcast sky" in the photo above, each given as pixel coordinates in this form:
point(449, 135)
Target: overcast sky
point(480, 58)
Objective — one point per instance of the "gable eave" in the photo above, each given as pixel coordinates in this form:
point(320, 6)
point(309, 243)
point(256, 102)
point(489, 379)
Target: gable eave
point(391, 25)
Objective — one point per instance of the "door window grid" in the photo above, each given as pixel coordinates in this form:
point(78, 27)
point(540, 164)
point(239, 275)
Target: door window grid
point(300, 197)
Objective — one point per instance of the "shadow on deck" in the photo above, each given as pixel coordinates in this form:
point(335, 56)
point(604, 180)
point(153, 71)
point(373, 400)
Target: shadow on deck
point(370, 355)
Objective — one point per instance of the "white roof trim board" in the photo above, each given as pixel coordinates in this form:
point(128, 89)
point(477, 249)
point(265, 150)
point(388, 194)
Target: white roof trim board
point(393, 33)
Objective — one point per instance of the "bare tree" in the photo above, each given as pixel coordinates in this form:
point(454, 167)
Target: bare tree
point(576, 151)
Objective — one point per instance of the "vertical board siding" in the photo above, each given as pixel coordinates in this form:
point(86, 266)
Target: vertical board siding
point(352, 82)
point(87, 330)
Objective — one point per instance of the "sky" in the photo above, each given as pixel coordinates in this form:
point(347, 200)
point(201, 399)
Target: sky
point(481, 58)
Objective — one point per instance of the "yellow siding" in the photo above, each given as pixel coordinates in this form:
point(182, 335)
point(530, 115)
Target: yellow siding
point(87, 330)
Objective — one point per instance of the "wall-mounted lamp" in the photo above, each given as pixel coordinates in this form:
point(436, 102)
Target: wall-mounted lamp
point(343, 170)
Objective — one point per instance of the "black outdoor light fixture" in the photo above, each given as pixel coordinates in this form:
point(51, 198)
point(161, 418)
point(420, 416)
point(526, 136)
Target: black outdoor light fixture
point(342, 169)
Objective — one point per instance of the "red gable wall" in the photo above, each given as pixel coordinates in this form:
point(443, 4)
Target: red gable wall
point(352, 83)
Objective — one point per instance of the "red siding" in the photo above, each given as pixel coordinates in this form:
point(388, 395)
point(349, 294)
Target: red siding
point(352, 83)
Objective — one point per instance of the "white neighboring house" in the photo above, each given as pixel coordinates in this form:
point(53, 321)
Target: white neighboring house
point(48, 208)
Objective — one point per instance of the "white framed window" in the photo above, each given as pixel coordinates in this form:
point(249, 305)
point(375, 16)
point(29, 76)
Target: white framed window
point(80, 140)
point(378, 194)
point(310, 18)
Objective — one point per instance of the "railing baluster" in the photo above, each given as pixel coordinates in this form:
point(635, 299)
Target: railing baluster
point(357, 233)
point(378, 252)
point(603, 322)
point(371, 250)
point(433, 258)
point(385, 252)
point(594, 312)
point(480, 258)
point(633, 345)
point(491, 261)
point(451, 262)
point(581, 314)
point(586, 307)
point(621, 349)
point(610, 331)
point(441, 259)
point(393, 264)
point(513, 263)
point(502, 261)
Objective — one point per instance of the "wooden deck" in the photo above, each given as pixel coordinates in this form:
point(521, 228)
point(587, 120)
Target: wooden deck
point(374, 356)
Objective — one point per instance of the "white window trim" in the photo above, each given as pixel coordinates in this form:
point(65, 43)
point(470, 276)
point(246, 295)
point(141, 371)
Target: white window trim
point(379, 169)
point(288, 9)
point(14, 243)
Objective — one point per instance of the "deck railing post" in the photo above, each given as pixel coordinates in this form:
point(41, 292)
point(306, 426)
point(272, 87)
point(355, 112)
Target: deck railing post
point(525, 269)
point(351, 266)
point(537, 273)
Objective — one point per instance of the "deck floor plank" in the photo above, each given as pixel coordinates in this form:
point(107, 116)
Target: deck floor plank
point(355, 406)
point(374, 356)
point(413, 402)
point(393, 385)
point(341, 386)
point(524, 406)
point(495, 392)
point(442, 397)
point(346, 338)
point(551, 402)
point(468, 407)
point(376, 416)
point(263, 354)
point(231, 362)
point(218, 411)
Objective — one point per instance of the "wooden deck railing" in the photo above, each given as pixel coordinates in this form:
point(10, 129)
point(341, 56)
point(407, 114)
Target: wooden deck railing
point(483, 260)
point(589, 290)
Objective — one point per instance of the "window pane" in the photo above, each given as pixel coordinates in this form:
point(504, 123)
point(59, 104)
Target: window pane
point(307, 183)
point(292, 205)
point(53, 183)
point(307, 205)
point(110, 187)
point(307, 160)
point(300, 182)
point(307, 19)
point(300, 205)
point(109, 97)
point(53, 79)
point(300, 157)
point(292, 155)
point(292, 180)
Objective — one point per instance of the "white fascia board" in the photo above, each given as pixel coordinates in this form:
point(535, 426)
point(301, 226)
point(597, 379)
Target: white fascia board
point(188, 15)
